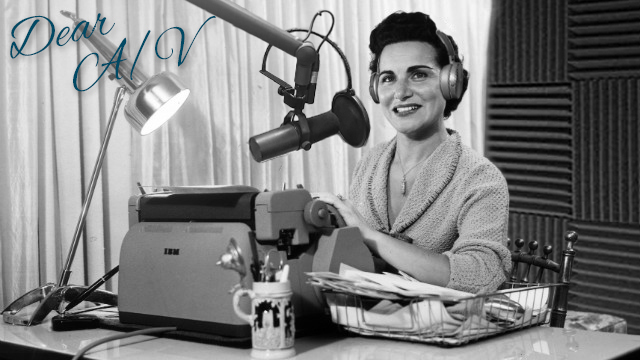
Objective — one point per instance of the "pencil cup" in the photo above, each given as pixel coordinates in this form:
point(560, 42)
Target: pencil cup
point(272, 319)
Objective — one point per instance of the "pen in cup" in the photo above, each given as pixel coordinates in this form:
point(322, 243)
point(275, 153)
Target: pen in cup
point(284, 274)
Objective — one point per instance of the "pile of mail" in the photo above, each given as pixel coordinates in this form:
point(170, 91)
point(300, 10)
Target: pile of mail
point(400, 307)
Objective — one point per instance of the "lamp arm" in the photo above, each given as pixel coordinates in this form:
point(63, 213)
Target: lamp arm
point(66, 271)
point(239, 17)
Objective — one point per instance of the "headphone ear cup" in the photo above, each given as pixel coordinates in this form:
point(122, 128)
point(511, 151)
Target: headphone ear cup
point(373, 87)
point(444, 82)
point(451, 77)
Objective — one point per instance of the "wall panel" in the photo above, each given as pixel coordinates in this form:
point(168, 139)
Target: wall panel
point(607, 143)
point(606, 273)
point(529, 138)
point(603, 39)
point(529, 41)
point(563, 114)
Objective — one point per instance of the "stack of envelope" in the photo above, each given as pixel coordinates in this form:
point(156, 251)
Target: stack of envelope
point(382, 286)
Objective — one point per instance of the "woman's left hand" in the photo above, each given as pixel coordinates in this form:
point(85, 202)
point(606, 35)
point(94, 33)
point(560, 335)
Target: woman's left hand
point(346, 209)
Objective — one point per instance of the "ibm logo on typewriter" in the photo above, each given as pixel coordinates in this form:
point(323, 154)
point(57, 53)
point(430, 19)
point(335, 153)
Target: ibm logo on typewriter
point(168, 251)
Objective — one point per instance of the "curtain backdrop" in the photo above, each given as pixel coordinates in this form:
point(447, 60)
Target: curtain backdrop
point(50, 133)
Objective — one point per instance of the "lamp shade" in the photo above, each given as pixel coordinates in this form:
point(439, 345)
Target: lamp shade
point(155, 101)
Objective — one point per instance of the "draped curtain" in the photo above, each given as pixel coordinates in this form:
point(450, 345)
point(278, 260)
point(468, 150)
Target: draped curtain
point(50, 133)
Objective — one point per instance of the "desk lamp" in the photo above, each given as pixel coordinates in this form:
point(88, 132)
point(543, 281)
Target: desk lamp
point(152, 102)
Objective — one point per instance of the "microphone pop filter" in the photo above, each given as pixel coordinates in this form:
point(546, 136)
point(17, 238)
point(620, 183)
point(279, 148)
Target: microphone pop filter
point(352, 117)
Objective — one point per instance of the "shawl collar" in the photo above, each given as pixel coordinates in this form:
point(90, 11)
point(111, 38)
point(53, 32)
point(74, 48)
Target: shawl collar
point(434, 175)
point(377, 190)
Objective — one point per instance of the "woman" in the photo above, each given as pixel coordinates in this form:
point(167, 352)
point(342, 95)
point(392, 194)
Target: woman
point(425, 203)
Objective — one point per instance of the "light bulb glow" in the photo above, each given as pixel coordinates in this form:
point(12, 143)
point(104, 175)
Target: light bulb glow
point(165, 112)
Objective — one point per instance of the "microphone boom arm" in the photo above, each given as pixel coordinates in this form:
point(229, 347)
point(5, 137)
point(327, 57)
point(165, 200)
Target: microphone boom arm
point(304, 52)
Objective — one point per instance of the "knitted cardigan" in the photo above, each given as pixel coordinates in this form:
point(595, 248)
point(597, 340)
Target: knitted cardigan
point(458, 206)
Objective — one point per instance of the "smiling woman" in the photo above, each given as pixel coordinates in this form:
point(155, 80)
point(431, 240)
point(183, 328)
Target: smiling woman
point(425, 203)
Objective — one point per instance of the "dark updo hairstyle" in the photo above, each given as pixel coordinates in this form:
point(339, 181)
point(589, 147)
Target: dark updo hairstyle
point(416, 26)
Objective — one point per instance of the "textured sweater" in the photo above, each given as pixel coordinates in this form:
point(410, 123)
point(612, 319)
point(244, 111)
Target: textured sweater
point(458, 206)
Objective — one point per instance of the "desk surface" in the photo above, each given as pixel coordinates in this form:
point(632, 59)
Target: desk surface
point(535, 343)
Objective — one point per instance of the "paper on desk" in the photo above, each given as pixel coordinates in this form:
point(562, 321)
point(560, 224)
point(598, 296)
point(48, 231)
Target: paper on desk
point(401, 285)
point(535, 299)
point(332, 281)
point(426, 316)
point(426, 313)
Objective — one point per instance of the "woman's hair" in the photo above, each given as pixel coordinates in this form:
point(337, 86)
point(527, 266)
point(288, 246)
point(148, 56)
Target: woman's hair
point(416, 26)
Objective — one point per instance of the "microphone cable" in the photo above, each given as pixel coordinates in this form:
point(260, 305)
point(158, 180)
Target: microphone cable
point(147, 331)
point(325, 37)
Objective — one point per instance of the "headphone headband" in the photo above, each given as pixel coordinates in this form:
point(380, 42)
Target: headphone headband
point(451, 52)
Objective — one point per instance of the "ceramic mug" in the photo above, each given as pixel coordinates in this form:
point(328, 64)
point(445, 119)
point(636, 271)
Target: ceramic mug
point(272, 319)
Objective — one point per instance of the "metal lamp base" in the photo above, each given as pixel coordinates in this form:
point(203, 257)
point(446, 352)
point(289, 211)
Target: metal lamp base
point(51, 297)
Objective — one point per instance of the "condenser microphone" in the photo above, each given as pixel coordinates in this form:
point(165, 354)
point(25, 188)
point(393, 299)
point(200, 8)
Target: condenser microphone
point(347, 117)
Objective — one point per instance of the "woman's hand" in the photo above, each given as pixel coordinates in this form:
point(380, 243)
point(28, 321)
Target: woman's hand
point(346, 209)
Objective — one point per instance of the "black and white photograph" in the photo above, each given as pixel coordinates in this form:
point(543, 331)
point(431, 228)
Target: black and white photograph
point(441, 179)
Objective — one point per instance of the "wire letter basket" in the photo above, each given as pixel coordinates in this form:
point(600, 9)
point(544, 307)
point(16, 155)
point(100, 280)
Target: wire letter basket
point(445, 321)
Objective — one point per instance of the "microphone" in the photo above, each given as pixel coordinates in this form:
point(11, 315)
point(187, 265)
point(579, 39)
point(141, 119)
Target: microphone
point(347, 117)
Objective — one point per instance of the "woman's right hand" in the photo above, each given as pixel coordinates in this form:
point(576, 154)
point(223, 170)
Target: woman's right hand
point(346, 209)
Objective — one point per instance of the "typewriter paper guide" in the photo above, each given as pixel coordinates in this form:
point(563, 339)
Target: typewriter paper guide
point(208, 189)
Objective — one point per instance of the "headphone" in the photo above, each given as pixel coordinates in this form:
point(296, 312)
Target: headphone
point(451, 75)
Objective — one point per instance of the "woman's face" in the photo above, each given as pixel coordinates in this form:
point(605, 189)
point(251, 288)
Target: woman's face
point(409, 88)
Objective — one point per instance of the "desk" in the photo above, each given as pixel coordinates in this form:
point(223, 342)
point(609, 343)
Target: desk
point(40, 342)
